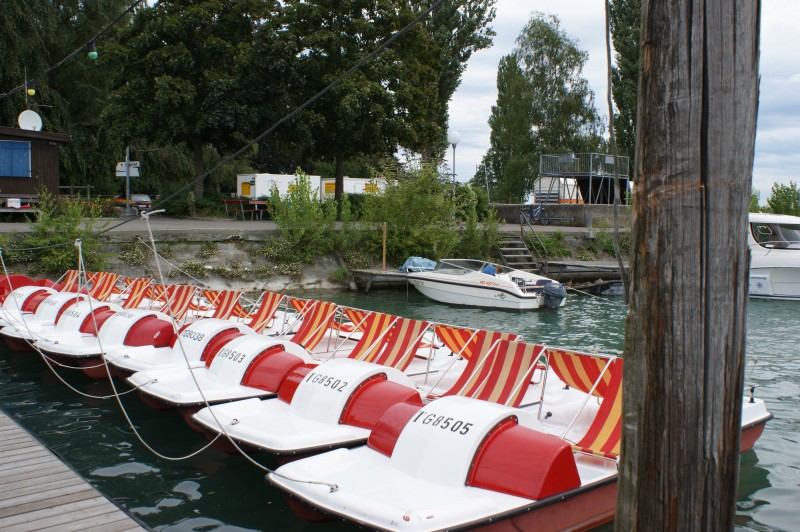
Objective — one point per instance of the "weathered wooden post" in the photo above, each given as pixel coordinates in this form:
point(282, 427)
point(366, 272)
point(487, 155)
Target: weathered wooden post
point(685, 337)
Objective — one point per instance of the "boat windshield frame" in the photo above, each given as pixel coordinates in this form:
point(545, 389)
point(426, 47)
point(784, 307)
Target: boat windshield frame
point(776, 235)
point(460, 266)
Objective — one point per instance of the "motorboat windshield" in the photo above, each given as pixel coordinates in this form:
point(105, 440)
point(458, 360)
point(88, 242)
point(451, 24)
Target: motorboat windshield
point(459, 266)
point(776, 235)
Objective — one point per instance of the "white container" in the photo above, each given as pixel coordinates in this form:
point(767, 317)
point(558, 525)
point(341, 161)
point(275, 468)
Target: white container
point(13, 203)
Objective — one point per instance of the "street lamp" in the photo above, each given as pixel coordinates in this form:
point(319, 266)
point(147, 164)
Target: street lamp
point(453, 137)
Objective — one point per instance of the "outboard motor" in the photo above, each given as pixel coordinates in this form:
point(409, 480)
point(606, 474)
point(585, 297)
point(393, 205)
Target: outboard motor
point(554, 294)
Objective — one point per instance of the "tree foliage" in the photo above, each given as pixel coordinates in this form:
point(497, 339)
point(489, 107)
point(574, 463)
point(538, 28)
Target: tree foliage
point(785, 199)
point(419, 211)
point(755, 198)
point(181, 66)
point(625, 21)
point(195, 80)
point(459, 28)
point(544, 105)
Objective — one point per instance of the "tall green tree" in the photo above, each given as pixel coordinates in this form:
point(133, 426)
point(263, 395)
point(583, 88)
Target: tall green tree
point(511, 160)
point(181, 69)
point(329, 37)
point(785, 199)
point(544, 105)
point(626, 22)
point(459, 28)
point(36, 36)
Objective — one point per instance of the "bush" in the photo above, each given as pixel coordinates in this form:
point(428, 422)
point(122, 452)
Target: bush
point(551, 246)
point(49, 247)
point(305, 222)
point(419, 212)
point(477, 242)
point(604, 240)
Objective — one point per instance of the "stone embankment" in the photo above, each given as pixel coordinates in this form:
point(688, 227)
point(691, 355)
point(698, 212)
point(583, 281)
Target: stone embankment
point(224, 253)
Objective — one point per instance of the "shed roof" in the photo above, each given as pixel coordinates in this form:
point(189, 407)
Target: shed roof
point(15, 133)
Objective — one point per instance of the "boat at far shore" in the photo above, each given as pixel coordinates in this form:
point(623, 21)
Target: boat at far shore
point(479, 283)
point(774, 241)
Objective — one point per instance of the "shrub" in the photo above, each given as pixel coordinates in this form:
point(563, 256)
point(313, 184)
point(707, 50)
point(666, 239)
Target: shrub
point(49, 247)
point(550, 246)
point(305, 222)
point(477, 242)
point(419, 212)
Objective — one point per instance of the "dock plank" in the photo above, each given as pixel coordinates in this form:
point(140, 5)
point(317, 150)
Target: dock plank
point(39, 492)
point(24, 487)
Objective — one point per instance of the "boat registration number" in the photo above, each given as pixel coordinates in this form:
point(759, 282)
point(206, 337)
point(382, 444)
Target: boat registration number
point(326, 381)
point(231, 354)
point(444, 423)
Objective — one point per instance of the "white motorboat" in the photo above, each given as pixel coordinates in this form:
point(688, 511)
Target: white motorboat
point(484, 284)
point(774, 241)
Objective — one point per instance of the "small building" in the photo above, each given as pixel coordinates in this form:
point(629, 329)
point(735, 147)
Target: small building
point(580, 178)
point(260, 185)
point(29, 161)
point(353, 185)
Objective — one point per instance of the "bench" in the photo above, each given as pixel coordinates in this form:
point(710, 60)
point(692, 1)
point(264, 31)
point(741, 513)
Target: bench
point(239, 208)
point(17, 201)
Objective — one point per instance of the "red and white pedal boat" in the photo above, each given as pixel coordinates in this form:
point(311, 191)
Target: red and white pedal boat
point(83, 342)
point(47, 309)
point(245, 365)
point(191, 346)
point(459, 463)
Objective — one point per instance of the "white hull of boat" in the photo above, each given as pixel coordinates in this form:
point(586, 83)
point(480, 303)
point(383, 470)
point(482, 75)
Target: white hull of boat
point(466, 282)
point(476, 296)
point(775, 283)
point(774, 241)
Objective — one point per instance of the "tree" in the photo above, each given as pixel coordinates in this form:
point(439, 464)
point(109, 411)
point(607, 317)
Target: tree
point(328, 37)
point(755, 197)
point(511, 157)
point(626, 21)
point(69, 98)
point(544, 105)
point(785, 199)
point(685, 332)
point(459, 28)
point(182, 68)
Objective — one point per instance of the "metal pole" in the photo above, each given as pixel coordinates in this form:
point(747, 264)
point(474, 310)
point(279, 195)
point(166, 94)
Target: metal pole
point(384, 248)
point(127, 181)
point(454, 171)
point(486, 178)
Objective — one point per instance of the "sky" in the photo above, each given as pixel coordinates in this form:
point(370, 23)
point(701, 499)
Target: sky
point(777, 154)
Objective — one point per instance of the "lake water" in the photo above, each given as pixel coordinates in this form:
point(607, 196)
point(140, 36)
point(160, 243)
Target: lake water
point(215, 491)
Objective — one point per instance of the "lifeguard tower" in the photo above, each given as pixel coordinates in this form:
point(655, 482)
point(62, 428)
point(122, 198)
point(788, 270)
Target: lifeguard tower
point(586, 178)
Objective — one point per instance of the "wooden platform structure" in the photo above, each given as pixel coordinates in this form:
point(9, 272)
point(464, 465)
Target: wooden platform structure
point(39, 492)
point(377, 278)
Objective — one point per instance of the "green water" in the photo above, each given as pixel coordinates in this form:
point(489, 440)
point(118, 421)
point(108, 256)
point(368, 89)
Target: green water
point(215, 491)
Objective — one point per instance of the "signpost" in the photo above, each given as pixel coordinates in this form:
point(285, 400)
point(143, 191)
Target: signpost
point(128, 169)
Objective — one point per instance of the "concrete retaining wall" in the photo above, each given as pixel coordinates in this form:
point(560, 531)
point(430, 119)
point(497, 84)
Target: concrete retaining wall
point(569, 214)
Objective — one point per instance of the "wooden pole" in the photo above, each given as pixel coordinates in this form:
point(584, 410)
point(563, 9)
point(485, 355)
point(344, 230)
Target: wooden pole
point(384, 246)
point(685, 335)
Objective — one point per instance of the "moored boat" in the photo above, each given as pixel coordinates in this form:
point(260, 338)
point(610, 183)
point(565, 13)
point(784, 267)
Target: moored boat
point(774, 241)
point(457, 463)
point(485, 284)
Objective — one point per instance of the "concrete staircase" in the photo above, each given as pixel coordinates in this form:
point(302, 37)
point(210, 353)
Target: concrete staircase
point(515, 253)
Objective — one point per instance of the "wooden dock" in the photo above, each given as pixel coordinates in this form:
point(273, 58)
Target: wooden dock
point(39, 492)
